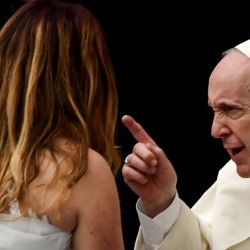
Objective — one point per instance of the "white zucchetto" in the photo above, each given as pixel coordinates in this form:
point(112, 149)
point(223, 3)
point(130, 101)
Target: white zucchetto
point(244, 47)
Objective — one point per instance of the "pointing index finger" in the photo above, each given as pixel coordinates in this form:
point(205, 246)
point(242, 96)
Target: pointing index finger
point(137, 130)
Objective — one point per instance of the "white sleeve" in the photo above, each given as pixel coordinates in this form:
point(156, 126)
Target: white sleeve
point(154, 230)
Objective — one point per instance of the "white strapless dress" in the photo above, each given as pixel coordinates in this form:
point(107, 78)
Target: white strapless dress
point(31, 233)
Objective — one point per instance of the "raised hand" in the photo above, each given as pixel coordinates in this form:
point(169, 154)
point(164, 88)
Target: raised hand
point(148, 172)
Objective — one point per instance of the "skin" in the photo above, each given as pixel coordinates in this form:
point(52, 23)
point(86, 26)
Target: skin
point(229, 97)
point(148, 171)
point(96, 224)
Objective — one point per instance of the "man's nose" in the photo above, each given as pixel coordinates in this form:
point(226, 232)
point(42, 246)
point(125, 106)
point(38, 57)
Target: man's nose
point(219, 127)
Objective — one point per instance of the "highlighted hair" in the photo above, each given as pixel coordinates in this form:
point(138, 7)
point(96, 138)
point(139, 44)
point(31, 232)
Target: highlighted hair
point(56, 80)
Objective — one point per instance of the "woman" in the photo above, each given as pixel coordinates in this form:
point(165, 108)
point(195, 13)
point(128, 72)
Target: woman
point(58, 110)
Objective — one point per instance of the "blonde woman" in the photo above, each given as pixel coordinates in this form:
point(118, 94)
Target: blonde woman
point(58, 110)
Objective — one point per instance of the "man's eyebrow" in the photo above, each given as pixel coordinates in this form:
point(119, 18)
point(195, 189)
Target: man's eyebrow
point(224, 104)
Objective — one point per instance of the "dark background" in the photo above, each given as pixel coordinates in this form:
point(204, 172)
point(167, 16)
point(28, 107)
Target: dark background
point(163, 53)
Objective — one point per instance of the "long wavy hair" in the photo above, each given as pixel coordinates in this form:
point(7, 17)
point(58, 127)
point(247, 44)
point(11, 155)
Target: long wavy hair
point(56, 80)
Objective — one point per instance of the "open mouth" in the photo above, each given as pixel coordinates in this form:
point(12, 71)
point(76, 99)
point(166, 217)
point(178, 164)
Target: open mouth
point(236, 150)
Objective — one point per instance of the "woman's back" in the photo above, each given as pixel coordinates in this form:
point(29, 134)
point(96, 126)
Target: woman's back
point(58, 112)
point(82, 213)
point(22, 228)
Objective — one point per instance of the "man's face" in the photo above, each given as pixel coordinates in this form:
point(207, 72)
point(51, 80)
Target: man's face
point(229, 97)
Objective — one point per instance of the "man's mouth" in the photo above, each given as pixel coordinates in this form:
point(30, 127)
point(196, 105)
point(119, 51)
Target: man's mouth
point(236, 150)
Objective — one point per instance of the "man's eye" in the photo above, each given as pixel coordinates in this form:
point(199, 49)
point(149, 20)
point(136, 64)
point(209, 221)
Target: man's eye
point(234, 113)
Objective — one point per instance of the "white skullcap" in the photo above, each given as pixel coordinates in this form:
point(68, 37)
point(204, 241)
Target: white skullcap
point(244, 47)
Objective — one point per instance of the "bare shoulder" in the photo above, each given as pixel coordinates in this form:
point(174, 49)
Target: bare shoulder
point(98, 176)
point(96, 186)
point(98, 209)
point(97, 165)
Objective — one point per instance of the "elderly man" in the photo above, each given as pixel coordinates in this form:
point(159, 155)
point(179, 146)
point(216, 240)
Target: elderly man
point(221, 217)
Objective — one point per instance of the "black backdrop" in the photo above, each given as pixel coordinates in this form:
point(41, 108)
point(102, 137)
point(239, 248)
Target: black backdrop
point(163, 54)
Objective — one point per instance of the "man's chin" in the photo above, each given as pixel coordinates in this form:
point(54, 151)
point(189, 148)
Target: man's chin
point(243, 170)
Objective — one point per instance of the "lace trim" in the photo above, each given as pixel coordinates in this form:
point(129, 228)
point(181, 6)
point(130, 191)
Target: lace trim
point(15, 211)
